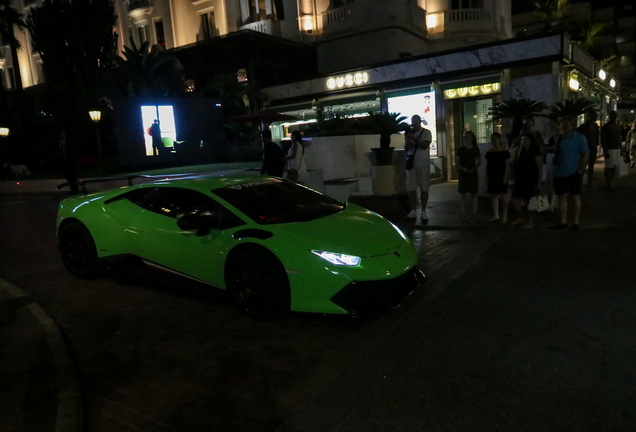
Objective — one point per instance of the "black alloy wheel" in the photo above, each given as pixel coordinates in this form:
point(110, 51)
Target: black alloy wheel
point(258, 283)
point(78, 251)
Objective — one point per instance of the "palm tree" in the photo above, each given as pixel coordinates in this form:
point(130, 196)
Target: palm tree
point(9, 19)
point(551, 10)
point(385, 124)
point(571, 107)
point(150, 72)
point(586, 33)
point(608, 63)
point(517, 110)
point(75, 40)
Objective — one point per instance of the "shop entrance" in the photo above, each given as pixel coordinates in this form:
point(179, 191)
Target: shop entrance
point(468, 114)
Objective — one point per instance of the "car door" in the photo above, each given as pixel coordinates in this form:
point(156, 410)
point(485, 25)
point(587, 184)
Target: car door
point(162, 243)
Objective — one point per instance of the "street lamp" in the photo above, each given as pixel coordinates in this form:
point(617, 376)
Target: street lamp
point(96, 116)
point(4, 132)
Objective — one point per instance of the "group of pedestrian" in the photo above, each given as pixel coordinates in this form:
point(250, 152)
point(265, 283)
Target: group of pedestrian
point(277, 163)
point(514, 173)
point(630, 140)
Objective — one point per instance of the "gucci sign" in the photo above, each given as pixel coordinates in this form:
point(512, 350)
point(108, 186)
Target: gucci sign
point(348, 80)
point(472, 90)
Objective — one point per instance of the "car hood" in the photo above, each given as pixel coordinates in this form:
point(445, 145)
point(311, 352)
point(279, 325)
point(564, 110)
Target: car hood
point(354, 231)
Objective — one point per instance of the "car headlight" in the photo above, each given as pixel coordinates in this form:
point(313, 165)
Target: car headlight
point(338, 259)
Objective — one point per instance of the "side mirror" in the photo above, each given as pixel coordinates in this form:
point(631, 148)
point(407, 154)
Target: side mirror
point(197, 219)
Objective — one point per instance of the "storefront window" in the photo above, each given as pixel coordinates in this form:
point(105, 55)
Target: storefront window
point(351, 108)
point(477, 118)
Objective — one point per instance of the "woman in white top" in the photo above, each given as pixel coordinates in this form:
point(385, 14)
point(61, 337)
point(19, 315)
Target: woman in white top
point(295, 157)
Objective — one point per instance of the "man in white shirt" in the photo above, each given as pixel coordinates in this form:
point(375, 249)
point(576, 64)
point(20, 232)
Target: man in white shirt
point(417, 143)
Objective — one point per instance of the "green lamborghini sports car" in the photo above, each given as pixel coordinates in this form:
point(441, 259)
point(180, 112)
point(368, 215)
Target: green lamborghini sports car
point(274, 245)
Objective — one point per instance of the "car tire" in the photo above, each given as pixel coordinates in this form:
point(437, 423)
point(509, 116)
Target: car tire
point(78, 251)
point(258, 282)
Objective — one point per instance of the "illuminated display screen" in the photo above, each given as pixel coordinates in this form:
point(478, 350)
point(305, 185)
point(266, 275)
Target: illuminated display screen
point(422, 104)
point(164, 114)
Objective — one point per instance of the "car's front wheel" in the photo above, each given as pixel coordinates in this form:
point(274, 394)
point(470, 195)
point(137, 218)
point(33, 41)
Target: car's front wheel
point(258, 282)
point(78, 251)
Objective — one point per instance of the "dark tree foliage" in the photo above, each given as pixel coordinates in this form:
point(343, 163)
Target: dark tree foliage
point(517, 110)
point(150, 71)
point(75, 40)
point(10, 18)
point(571, 107)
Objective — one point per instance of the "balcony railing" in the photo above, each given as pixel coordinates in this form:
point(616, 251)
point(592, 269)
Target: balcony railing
point(468, 15)
point(269, 26)
point(337, 15)
point(467, 20)
point(356, 17)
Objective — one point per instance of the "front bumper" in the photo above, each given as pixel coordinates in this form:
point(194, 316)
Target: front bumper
point(368, 297)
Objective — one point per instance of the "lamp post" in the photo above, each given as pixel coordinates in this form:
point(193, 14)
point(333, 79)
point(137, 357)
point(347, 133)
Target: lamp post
point(96, 116)
point(4, 132)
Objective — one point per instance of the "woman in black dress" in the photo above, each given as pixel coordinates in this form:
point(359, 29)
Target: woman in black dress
point(527, 179)
point(497, 168)
point(468, 161)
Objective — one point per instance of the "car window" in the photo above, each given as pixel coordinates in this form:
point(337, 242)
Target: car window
point(273, 201)
point(171, 202)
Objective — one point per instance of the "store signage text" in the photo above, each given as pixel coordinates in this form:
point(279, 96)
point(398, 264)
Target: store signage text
point(348, 80)
point(472, 90)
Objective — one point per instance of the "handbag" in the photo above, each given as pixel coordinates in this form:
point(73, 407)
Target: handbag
point(410, 159)
point(539, 203)
point(621, 168)
point(293, 175)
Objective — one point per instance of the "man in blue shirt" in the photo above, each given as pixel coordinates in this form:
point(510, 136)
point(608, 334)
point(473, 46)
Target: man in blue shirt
point(571, 155)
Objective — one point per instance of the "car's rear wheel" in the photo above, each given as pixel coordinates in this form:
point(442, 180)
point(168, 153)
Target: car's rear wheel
point(258, 283)
point(78, 251)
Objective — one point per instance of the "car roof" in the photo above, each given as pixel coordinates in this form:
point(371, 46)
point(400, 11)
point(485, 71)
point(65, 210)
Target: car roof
point(207, 182)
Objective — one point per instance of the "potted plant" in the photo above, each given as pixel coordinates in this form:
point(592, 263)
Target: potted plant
point(385, 124)
point(517, 109)
point(571, 107)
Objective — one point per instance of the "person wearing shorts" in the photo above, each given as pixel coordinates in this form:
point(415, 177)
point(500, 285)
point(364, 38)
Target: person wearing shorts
point(611, 140)
point(571, 157)
point(592, 134)
point(417, 142)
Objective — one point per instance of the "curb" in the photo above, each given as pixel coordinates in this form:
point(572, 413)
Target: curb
point(70, 414)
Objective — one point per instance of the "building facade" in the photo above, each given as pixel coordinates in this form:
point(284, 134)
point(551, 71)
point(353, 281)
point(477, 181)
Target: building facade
point(613, 44)
point(449, 61)
point(454, 90)
point(345, 33)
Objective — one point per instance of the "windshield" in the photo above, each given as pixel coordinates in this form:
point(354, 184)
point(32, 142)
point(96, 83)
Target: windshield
point(275, 201)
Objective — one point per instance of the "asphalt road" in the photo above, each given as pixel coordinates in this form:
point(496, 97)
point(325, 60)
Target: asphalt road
point(520, 331)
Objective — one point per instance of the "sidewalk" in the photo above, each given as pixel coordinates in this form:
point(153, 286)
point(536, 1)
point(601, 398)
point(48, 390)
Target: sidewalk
point(40, 391)
point(443, 210)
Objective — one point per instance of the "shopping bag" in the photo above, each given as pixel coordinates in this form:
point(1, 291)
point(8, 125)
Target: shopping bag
point(539, 203)
point(621, 168)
